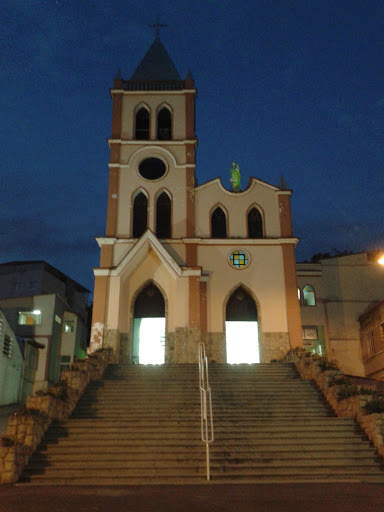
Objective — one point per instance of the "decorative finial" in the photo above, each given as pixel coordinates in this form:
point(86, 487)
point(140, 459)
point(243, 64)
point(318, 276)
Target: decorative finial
point(189, 74)
point(157, 26)
point(235, 177)
point(283, 185)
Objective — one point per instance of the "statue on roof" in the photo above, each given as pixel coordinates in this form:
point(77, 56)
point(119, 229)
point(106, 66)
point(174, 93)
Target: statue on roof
point(235, 177)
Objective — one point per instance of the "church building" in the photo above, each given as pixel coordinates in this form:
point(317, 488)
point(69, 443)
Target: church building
point(182, 264)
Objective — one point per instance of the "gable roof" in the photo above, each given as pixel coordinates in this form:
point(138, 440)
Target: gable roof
point(156, 64)
point(137, 253)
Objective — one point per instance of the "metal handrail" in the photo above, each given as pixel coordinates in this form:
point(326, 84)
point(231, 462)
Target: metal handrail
point(207, 435)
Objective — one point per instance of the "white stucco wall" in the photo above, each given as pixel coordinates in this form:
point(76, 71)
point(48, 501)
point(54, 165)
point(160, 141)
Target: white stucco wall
point(123, 290)
point(264, 277)
point(174, 183)
point(154, 102)
point(237, 205)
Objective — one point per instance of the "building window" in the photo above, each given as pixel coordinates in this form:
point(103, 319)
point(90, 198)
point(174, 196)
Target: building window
point(163, 216)
point(7, 346)
point(218, 223)
point(152, 168)
point(58, 319)
point(255, 224)
point(30, 317)
point(310, 333)
point(372, 347)
point(142, 124)
point(140, 216)
point(164, 124)
point(239, 259)
point(69, 326)
point(65, 363)
point(308, 296)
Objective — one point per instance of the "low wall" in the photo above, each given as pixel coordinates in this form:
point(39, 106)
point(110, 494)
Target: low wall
point(351, 407)
point(26, 428)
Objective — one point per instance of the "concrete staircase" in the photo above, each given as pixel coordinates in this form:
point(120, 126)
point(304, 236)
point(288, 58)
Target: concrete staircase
point(141, 424)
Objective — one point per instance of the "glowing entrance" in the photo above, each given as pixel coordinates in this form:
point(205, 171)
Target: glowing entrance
point(149, 327)
point(241, 328)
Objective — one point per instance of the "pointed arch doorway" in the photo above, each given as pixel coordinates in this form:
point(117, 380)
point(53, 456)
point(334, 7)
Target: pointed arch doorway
point(148, 345)
point(241, 328)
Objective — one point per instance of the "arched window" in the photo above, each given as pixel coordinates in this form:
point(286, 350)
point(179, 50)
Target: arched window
point(241, 328)
point(218, 224)
point(140, 216)
point(255, 224)
point(142, 124)
point(164, 124)
point(309, 296)
point(241, 307)
point(148, 343)
point(163, 216)
point(149, 303)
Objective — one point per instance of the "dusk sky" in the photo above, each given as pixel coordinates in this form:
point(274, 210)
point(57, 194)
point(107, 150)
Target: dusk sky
point(292, 87)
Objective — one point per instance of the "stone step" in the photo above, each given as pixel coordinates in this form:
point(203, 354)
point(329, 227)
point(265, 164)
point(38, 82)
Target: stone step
point(217, 465)
point(278, 457)
point(219, 429)
point(262, 423)
point(229, 442)
point(74, 452)
point(252, 394)
point(141, 424)
point(179, 479)
point(175, 471)
point(217, 413)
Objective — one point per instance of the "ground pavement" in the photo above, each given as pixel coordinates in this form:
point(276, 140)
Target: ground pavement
point(341, 497)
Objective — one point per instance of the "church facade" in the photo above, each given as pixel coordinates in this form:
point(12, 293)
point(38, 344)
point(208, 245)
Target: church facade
point(182, 263)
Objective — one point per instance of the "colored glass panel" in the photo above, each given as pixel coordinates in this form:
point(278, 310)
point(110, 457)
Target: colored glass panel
point(238, 259)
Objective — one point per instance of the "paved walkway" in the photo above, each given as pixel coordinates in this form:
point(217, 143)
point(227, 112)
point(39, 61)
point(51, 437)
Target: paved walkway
point(351, 497)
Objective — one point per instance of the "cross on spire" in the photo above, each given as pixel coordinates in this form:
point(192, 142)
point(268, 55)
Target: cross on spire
point(157, 26)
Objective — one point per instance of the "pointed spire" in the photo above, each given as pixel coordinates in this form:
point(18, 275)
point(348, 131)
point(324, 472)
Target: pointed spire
point(156, 64)
point(118, 74)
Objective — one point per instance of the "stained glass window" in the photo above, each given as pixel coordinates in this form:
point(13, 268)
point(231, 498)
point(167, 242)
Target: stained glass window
point(239, 259)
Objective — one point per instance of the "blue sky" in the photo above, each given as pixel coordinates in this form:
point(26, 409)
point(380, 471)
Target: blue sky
point(292, 87)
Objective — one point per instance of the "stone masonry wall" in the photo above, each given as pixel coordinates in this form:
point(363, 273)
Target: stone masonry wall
point(26, 428)
point(351, 407)
point(273, 345)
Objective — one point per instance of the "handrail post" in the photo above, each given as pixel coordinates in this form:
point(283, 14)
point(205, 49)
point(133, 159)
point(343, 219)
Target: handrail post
point(207, 435)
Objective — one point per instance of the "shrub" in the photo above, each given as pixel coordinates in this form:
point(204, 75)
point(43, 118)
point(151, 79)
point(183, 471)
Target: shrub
point(296, 353)
point(364, 390)
point(340, 380)
point(346, 391)
point(375, 406)
point(324, 364)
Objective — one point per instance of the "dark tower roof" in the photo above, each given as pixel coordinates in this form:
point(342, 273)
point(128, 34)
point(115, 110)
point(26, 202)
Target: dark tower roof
point(156, 64)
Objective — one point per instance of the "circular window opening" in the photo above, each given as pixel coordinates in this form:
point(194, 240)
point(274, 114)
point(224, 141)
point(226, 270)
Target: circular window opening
point(239, 259)
point(152, 168)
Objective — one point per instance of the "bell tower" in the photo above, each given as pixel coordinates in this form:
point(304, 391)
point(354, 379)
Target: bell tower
point(151, 172)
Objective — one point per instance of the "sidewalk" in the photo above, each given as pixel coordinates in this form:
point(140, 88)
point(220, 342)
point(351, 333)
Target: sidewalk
point(344, 497)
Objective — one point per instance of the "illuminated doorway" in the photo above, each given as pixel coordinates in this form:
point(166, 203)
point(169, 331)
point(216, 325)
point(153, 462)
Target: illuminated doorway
point(241, 328)
point(148, 345)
